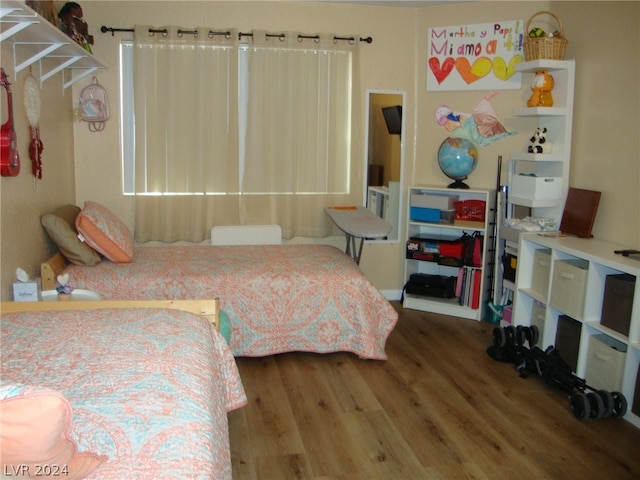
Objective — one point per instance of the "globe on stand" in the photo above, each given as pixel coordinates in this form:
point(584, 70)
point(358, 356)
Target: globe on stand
point(457, 158)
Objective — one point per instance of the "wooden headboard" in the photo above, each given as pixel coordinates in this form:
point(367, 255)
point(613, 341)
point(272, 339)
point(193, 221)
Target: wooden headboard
point(210, 309)
point(50, 269)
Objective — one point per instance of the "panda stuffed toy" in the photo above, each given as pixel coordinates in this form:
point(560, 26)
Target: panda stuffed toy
point(538, 142)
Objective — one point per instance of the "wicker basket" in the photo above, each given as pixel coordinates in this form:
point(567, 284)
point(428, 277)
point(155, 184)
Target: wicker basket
point(552, 48)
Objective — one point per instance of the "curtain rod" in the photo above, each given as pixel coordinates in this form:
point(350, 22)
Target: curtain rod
point(113, 31)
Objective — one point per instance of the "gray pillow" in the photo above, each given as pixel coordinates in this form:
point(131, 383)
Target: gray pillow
point(61, 228)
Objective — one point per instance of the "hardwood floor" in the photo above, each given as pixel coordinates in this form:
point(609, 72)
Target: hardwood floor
point(438, 408)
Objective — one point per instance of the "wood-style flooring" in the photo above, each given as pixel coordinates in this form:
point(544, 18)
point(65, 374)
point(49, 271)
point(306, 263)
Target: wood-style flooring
point(438, 408)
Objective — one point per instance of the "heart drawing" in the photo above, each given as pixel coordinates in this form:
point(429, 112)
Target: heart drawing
point(441, 72)
point(472, 73)
point(503, 71)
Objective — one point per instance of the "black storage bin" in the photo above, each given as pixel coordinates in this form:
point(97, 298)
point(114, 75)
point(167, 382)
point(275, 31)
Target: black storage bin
point(425, 285)
point(618, 302)
point(568, 339)
point(635, 407)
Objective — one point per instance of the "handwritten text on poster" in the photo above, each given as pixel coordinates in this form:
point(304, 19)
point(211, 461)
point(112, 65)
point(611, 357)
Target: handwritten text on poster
point(475, 57)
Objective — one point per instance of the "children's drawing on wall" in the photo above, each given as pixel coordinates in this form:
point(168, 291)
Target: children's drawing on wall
point(481, 126)
point(475, 57)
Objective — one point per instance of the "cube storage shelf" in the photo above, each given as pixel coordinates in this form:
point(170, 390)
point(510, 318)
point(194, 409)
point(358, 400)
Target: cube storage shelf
point(586, 265)
point(448, 231)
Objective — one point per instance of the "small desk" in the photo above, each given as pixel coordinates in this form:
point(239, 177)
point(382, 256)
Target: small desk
point(358, 222)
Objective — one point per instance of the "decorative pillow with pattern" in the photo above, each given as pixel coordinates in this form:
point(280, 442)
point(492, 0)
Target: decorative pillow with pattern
point(105, 232)
point(60, 225)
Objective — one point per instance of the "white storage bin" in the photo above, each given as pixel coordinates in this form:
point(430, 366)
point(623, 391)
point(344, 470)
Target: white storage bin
point(541, 272)
point(568, 286)
point(605, 363)
point(544, 188)
point(433, 200)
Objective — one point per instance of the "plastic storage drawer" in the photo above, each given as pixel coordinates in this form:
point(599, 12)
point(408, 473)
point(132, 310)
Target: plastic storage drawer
point(568, 286)
point(536, 187)
point(541, 272)
point(605, 363)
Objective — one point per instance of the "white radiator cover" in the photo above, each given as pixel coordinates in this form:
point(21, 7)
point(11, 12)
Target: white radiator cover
point(246, 235)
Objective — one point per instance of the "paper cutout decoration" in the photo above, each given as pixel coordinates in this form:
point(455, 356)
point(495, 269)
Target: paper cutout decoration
point(481, 126)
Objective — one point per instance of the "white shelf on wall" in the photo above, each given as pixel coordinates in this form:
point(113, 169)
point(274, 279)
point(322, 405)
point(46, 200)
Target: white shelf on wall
point(558, 120)
point(36, 42)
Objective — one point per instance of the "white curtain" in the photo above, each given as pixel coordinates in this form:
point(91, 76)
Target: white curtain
point(301, 142)
point(185, 90)
point(298, 154)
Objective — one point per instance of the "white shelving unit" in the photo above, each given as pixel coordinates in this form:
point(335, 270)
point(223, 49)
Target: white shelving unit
point(527, 189)
point(384, 202)
point(453, 231)
point(535, 305)
point(37, 42)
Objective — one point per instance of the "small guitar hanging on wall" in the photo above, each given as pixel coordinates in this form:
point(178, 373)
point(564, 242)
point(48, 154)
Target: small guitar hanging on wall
point(10, 159)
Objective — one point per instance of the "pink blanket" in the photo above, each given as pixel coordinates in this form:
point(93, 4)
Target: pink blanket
point(279, 298)
point(149, 388)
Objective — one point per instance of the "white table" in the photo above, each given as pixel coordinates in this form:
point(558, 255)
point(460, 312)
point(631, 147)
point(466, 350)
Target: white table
point(358, 222)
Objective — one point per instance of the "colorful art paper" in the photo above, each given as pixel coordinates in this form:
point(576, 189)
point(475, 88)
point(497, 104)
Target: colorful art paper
point(481, 126)
point(475, 57)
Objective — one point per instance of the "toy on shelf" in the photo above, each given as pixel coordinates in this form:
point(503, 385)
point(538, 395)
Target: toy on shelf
point(541, 87)
point(538, 142)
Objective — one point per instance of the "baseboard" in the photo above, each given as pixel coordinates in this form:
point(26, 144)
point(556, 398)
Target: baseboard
point(392, 295)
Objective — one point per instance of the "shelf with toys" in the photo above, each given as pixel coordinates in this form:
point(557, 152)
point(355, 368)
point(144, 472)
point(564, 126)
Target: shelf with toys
point(36, 41)
point(538, 175)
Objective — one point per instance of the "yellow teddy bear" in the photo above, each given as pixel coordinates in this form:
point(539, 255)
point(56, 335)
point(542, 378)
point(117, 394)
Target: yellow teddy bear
point(541, 87)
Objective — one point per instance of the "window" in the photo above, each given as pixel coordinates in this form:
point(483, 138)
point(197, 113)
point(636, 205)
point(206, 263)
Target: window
point(292, 125)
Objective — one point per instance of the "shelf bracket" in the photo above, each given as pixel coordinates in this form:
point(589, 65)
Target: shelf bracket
point(77, 77)
point(18, 27)
point(66, 64)
point(33, 59)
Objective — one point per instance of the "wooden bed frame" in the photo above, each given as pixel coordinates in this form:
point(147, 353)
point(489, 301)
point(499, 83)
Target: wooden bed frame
point(210, 309)
point(50, 269)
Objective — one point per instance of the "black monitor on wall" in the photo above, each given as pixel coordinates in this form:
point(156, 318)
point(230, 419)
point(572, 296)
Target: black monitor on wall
point(393, 119)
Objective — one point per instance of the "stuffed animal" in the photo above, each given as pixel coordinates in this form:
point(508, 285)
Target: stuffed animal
point(541, 88)
point(539, 142)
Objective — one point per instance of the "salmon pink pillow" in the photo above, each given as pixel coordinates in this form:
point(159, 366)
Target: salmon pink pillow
point(35, 425)
point(105, 232)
